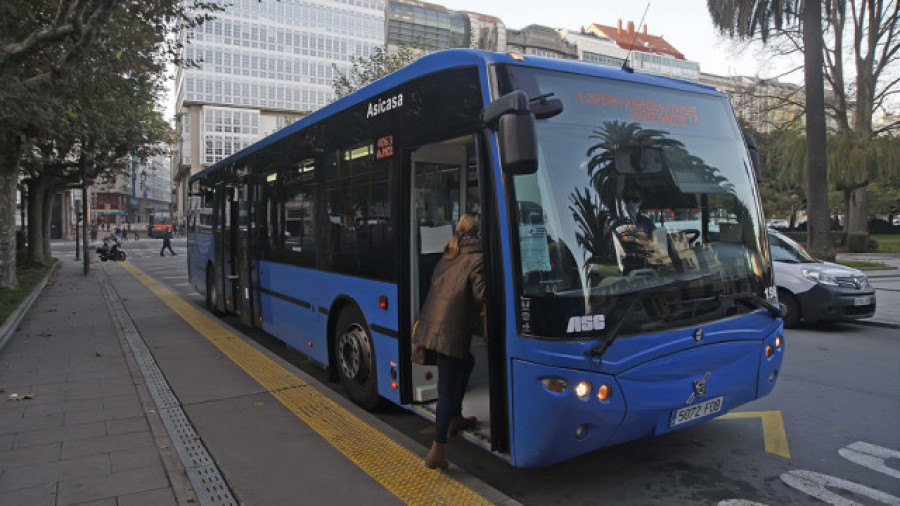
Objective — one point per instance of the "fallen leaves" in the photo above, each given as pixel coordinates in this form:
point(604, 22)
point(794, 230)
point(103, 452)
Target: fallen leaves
point(19, 397)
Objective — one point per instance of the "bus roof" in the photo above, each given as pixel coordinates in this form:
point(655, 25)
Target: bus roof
point(452, 58)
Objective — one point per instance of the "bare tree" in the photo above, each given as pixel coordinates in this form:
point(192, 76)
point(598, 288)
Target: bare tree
point(368, 69)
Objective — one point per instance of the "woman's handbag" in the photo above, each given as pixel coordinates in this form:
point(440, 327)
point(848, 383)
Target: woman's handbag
point(420, 354)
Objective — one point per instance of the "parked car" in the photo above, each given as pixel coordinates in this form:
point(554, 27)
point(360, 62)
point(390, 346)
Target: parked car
point(813, 290)
point(779, 223)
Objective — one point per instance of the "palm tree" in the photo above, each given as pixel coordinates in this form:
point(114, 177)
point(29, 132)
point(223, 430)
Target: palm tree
point(748, 18)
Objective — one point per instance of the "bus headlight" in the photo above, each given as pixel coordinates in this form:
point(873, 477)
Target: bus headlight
point(583, 389)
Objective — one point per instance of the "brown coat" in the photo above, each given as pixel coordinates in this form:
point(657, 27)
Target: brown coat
point(451, 310)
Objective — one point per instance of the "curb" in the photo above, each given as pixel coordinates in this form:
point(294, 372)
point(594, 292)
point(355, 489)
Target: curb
point(869, 323)
point(12, 322)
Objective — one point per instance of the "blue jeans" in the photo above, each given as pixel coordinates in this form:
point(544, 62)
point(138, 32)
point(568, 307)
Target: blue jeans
point(453, 379)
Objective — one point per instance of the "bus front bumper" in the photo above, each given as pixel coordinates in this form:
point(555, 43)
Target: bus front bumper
point(660, 396)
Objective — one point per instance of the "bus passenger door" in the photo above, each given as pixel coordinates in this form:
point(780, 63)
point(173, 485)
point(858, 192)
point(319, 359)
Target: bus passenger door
point(444, 185)
point(240, 255)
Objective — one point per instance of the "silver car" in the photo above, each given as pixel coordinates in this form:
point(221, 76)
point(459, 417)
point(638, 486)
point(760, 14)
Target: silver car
point(813, 290)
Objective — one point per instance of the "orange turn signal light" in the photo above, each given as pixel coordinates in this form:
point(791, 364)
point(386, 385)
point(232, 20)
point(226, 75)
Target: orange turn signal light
point(383, 302)
point(603, 392)
point(769, 350)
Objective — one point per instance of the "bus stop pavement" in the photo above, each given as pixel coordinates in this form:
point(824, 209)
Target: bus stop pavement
point(74, 427)
point(81, 423)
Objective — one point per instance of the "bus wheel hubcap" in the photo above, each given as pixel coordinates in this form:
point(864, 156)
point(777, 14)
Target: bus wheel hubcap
point(354, 353)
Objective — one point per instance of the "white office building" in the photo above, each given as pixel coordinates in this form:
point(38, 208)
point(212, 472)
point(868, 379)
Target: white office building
point(261, 66)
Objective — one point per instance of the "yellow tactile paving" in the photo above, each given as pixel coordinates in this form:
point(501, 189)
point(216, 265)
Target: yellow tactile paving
point(393, 466)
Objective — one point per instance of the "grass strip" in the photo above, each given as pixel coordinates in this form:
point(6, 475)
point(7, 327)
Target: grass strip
point(28, 278)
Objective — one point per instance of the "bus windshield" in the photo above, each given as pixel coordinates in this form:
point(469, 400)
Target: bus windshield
point(642, 215)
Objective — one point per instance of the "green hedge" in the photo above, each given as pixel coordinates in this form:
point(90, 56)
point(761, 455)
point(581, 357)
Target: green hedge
point(839, 237)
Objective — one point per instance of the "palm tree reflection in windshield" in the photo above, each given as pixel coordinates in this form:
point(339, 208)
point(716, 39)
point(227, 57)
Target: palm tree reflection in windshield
point(632, 164)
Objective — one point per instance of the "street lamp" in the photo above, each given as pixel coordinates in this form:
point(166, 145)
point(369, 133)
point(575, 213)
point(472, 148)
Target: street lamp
point(133, 201)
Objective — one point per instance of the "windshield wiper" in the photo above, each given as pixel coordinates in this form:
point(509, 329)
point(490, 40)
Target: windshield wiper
point(597, 351)
point(756, 301)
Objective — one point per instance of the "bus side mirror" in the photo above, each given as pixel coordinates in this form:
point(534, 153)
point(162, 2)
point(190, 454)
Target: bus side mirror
point(516, 133)
point(754, 153)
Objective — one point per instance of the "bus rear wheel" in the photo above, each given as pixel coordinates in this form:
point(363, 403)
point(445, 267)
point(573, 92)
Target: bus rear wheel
point(354, 355)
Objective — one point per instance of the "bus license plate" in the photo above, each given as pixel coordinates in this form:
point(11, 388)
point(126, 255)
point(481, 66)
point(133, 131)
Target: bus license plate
point(862, 301)
point(691, 413)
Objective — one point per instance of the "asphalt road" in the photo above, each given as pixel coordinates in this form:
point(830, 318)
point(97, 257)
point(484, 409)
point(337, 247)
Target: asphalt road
point(838, 398)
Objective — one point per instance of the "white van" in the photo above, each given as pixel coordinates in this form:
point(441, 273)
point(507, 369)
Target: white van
point(813, 290)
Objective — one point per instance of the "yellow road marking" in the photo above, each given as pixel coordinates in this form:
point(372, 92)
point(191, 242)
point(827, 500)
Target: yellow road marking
point(773, 430)
point(397, 469)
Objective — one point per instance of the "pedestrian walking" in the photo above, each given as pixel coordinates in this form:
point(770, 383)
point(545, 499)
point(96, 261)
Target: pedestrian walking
point(167, 243)
point(449, 316)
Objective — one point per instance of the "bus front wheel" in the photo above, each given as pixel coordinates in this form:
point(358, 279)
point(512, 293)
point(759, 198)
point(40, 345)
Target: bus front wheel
point(354, 355)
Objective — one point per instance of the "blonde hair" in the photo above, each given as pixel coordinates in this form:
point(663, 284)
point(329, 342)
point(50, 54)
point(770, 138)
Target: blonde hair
point(467, 227)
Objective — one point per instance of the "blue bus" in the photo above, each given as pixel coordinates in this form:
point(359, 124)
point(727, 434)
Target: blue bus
point(629, 282)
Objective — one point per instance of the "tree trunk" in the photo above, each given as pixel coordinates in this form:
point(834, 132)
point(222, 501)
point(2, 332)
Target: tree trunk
point(47, 223)
point(846, 225)
point(857, 221)
point(818, 227)
point(9, 171)
point(36, 218)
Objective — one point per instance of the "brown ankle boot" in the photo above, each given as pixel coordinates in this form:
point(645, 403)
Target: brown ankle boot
point(435, 458)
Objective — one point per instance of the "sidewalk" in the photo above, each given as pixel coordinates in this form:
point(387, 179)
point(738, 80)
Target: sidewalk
point(84, 434)
point(887, 286)
point(94, 425)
